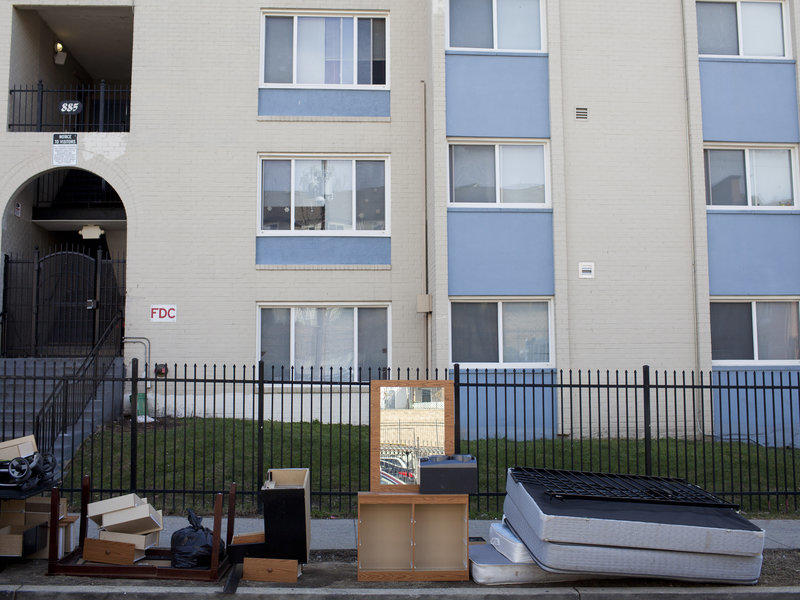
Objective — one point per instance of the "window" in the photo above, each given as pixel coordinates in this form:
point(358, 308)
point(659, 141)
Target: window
point(755, 331)
point(497, 24)
point(507, 332)
point(325, 336)
point(756, 177)
point(498, 174)
point(741, 29)
point(331, 195)
point(324, 51)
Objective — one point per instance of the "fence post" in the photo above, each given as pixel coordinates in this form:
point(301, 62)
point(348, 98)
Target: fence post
point(648, 436)
point(98, 273)
point(4, 308)
point(260, 480)
point(102, 115)
point(134, 419)
point(40, 100)
point(457, 407)
point(35, 305)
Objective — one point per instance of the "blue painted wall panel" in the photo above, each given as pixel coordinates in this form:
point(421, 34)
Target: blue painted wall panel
point(498, 252)
point(323, 103)
point(769, 418)
point(753, 253)
point(497, 95)
point(323, 250)
point(749, 100)
point(507, 405)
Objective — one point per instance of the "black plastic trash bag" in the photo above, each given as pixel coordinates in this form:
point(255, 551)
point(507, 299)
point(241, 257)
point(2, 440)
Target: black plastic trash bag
point(191, 546)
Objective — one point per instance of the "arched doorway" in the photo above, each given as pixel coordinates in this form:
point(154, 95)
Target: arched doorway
point(64, 235)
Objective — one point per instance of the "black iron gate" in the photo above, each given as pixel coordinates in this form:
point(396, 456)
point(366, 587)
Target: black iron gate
point(59, 304)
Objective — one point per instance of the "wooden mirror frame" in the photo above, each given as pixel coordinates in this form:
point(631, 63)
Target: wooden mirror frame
point(375, 428)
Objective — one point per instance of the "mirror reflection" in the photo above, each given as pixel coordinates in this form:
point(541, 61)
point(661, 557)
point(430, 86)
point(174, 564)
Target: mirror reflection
point(412, 427)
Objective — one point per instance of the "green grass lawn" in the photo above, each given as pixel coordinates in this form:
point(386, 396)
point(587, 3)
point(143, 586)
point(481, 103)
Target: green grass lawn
point(206, 455)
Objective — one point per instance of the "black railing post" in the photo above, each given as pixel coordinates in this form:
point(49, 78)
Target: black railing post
point(260, 462)
point(4, 308)
point(648, 436)
point(134, 419)
point(35, 304)
point(102, 113)
point(98, 271)
point(40, 100)
point(457, 407)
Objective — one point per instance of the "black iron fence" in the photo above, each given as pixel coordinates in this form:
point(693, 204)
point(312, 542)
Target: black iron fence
point(194, 429)
point(78, 108)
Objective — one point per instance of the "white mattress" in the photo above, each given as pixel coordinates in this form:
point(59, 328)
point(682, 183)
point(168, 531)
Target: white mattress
point(489, 567)
point(508, 544)
point(633, 562)
point(630, 533)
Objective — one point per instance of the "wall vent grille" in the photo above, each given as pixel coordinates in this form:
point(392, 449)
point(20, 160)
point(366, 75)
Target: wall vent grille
point(582, 113)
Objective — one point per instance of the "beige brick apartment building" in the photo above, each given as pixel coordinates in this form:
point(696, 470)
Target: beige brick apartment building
point(498, 183)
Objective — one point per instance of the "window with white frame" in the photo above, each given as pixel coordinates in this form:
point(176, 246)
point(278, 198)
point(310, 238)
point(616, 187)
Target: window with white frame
point(765, 331)
point(500, 332)
point(325, 51)
point(514, 25)
point(324, 194)
point(498, 174)
point(347, 337)
point(757, 177)
point(754, 29)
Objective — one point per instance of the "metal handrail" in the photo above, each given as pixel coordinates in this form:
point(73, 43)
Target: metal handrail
point(49, 423)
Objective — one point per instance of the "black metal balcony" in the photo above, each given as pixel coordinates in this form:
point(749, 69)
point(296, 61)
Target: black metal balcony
point(70, 109)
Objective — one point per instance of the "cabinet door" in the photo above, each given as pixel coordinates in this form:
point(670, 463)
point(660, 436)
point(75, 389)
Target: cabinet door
point(384, 537)
point(440, 537)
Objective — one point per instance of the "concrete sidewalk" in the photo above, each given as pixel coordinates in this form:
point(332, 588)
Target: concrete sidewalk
point(340, 534)
point(274, 592)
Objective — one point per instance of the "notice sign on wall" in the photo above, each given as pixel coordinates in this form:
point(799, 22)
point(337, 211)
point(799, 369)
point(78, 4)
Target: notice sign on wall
point(65, 149)
point(163, 313)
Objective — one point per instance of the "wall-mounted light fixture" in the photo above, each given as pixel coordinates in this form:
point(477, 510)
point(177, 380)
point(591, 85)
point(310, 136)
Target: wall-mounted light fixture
point(91, 232)
point(61, 57)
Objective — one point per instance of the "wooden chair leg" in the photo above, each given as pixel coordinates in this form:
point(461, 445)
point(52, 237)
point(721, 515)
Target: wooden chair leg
point(86, 496)
point(52, 553)
point(217, 532)
point(231, 513)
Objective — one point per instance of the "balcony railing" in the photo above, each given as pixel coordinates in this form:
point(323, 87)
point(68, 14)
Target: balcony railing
point(70, 109)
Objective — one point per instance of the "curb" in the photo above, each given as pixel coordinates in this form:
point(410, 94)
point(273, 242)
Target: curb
point(69, 592)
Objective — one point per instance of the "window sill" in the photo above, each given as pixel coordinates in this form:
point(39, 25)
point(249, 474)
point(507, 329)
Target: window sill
point(323, 267)
point(745, 59)
point(466, 207)
point(755, 364)
point(314, 86)
point(505, 366)
point(492, 52)
point(754, 210)
point(323, 233)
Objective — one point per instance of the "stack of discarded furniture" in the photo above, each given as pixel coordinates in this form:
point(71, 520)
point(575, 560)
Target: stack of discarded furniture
point(122, 559)
point(630, 526)
point(277, 553)
point(24, 528)
point(414, 526)
point(128, 524)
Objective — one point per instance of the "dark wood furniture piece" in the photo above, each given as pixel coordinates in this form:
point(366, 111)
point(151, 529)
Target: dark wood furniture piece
point(72, 564)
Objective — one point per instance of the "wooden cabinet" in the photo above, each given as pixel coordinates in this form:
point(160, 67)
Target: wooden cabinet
point(412, 537)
